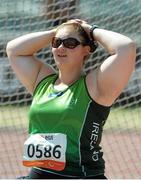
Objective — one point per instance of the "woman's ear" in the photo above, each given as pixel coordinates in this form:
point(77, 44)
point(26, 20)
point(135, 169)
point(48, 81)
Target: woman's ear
point(87, 50)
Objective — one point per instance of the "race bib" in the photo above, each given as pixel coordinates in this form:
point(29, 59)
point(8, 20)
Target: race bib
point(46, 151)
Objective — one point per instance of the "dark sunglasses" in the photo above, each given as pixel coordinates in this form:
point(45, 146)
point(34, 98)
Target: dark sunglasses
point(70, 43)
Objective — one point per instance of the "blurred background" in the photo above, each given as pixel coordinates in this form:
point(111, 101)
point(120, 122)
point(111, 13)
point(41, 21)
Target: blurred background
point(122, 133)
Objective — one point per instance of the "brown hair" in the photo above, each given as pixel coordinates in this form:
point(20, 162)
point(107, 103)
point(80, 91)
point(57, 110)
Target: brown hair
point(84, 36)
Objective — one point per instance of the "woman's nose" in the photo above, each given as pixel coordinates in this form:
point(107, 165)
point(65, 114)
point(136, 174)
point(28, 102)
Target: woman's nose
point(61, 45)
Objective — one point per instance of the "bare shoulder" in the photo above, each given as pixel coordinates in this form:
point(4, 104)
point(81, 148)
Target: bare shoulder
point(91, 82)
point(94, 92)
point(45, 71)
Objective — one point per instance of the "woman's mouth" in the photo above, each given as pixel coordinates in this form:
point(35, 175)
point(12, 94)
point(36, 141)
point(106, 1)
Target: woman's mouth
point(62, 55)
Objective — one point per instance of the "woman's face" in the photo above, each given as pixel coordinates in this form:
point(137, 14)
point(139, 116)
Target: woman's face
point(73, 56)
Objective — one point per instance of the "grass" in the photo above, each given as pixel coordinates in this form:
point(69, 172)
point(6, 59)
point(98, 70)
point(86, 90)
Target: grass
point(124, 119)
point(119, 118)
point(13, 116)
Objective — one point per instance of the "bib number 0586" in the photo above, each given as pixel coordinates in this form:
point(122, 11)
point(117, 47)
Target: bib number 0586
point(40, 151)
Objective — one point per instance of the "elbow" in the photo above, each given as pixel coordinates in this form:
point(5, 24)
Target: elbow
point(131, 46)
point(132, 49)
point(131, 53)
point(9, 49)
point(128, 50)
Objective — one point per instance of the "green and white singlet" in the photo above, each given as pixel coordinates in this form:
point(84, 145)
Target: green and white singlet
point(65, 129)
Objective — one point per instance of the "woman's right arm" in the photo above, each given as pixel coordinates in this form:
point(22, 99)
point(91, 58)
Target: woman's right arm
point(21, 52)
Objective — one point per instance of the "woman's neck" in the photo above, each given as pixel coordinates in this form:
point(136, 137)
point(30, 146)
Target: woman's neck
point(68, 77)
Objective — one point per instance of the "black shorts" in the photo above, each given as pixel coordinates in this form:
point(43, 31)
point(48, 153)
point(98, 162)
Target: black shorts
point(38, 174)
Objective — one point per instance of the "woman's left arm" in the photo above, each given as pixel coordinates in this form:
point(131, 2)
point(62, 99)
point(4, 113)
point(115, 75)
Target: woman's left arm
point(114, 72)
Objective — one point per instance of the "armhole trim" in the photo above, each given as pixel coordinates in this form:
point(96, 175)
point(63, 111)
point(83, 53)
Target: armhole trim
point(44, 79)
point(91, 97)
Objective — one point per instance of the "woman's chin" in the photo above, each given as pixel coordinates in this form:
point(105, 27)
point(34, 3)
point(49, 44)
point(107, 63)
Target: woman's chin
point(61, 60)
